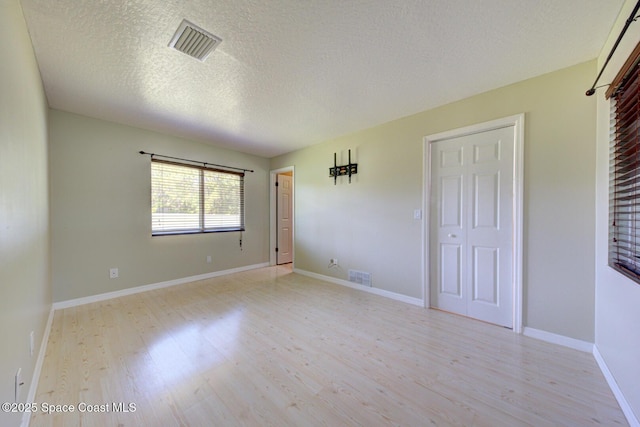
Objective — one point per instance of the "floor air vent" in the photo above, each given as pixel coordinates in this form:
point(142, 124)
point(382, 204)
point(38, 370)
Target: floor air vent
point(360, 277)
point(194, 41)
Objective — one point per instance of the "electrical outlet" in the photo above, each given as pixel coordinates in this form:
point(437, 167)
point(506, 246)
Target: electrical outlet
point(113, 273)
point(208, 259)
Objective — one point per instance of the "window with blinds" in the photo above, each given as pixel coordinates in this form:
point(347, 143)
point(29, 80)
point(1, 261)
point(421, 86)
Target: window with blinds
point(624, 175)
point(195, 199)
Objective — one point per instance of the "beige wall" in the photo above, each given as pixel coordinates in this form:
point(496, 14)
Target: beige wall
point(101, 214)
point(617, 298)
point(369, 224)
point(25, 293)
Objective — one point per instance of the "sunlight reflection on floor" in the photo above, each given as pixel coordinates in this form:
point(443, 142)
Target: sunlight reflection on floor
point(194, 355)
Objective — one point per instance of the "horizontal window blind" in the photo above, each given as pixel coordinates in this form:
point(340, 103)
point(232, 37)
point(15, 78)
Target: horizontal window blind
point(624, 177)
point(195, 199)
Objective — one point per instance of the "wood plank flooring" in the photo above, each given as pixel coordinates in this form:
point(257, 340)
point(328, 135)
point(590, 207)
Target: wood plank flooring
point(269, 347)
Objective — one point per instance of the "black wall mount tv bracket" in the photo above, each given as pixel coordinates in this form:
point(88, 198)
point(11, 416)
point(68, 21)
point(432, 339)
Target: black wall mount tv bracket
point(336, 171)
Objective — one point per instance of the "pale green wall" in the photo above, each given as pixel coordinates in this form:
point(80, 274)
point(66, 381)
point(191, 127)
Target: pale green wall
point(25, 295)
point(101, 212)
point(617, 298)
point(369, 224)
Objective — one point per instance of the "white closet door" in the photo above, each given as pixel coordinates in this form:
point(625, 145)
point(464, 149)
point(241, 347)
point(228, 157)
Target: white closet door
point(471, 225)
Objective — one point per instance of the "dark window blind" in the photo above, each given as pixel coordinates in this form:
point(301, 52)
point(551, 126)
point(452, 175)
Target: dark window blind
point(624, 177)
point(195, 199)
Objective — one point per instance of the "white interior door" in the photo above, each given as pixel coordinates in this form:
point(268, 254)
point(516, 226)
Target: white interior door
point(471, 225)
point(284, 226)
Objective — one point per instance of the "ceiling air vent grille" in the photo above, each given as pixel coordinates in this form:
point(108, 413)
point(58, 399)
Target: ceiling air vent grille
point(194, 41)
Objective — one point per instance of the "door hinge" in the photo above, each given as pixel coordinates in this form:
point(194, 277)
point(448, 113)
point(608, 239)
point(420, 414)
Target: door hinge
point(276, 249)
point(277, 184)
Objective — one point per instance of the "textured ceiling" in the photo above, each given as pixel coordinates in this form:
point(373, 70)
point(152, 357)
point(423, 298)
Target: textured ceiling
point(291, 73)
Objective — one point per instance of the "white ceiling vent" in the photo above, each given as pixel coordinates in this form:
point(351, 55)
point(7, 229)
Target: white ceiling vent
point(194, 41)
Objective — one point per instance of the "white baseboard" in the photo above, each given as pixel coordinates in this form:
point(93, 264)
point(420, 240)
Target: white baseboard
point(35, 379)
point(613, 385)
point(558, 339)
point(138, 289)
point(593, 349)
point(398, 297)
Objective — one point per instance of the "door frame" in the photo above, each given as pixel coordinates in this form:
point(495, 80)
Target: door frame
point(517, 121)
point(273, 230)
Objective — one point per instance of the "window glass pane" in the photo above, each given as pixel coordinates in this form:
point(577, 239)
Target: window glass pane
point(175, 197)
point(223, 200)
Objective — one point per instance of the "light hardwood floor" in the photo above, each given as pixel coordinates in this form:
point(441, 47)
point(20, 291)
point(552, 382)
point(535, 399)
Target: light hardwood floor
point(272, 348)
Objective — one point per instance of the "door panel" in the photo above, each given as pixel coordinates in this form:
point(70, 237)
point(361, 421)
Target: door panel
point(485, 275)
point(450, 270)
point(451, 277)
point(471, 209)
point(285, 219)
point(487, 152)
point(451, 157)
point(486, 199)
point(451, 201)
